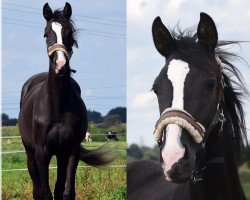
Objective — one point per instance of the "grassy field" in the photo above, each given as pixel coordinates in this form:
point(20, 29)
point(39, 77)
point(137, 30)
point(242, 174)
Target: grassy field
point(245, 180)
point(91, 183)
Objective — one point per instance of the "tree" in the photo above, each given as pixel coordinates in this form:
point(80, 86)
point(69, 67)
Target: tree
point(6, 121)
point(5, 117)
point(135, 151)
point(94, 116)
point(121, 111)
point(111, 120)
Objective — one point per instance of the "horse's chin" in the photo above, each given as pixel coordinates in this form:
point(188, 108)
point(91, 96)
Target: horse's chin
point(176, 178)
point(61, 72)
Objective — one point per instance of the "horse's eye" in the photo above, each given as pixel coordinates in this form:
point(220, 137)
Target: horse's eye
point(211, 84)
point(156, 91)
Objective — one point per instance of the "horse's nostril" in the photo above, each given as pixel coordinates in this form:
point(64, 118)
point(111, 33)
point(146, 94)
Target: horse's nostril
point(60, 63)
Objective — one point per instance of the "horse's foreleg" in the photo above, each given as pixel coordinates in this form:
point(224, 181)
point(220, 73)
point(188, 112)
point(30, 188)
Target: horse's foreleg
point(33, 171)
point(43, 159)
point(69, 192)
point(62, 162)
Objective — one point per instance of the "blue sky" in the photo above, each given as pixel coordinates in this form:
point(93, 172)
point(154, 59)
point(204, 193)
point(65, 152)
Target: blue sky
point(144, 63)
point(100, 60)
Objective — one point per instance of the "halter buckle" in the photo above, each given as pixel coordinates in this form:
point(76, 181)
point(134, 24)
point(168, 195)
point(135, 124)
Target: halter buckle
point(194, 174)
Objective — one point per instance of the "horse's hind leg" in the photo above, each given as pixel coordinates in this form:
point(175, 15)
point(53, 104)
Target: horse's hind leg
point(33, 171)
point(62, 162)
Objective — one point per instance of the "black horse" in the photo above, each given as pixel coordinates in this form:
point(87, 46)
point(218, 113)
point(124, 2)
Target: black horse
point(53, 117)
point(201, 129)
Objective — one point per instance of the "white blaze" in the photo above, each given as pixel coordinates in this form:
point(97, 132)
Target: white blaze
point(57, 28)
point(61, 60)
point(173, 149)
point(177, 72)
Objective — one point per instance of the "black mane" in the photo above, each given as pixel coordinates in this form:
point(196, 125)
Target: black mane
point(189, 50)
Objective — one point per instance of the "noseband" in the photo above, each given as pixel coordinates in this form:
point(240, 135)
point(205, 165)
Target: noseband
point(186, 121)
point(181, 118)
point(59, 47)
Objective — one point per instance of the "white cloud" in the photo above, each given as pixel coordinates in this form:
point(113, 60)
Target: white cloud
point(137, 9)
point(174, 5)
point(86, 92)
point(143, 99)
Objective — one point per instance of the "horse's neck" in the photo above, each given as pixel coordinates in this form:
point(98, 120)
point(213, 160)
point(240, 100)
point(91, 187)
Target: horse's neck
point(220, 180)
point(58, 91)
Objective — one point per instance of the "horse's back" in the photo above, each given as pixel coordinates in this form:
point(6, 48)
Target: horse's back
point(146, 180)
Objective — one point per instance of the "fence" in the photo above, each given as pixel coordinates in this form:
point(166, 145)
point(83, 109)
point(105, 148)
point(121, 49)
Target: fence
point(13, 152)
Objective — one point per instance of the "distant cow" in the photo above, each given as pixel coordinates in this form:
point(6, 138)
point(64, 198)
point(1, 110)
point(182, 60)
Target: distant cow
point(111, 135)
point(88, 137)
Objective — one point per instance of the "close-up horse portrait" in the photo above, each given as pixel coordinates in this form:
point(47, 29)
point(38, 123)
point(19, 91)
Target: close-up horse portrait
point(201, 130)
point(53, 117)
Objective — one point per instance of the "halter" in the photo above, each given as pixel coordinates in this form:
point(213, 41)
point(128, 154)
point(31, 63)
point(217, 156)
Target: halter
point(186, 121)
point(59, 47)
point(181, 118)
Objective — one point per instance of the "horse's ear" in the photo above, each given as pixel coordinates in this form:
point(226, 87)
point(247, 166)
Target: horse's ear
point(207, 32)
point(163, 40)
point(67, 11)
point(47, 12)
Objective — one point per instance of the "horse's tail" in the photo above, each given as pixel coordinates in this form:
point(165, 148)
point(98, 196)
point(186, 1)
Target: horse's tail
point(101, 156)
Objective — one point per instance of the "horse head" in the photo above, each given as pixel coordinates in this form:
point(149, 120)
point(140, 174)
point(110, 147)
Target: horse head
point(60, 37)
point(189, 94)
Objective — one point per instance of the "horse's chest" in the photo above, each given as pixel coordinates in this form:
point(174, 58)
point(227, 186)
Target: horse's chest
point(61, 135)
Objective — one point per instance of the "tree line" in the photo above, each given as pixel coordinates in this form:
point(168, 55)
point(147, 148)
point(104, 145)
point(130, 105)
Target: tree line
point(7, 121)
point(114, 116)
point(136, 152)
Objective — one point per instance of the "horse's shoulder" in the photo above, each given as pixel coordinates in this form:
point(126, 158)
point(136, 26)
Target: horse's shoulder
point(31, 83)
point(34, 80)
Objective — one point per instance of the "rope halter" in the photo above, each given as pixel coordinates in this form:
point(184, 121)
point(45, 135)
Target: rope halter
point(181, 118)
point(59, 47)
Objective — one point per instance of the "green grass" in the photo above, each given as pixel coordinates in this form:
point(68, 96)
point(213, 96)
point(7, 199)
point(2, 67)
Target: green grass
point(10, 131)
point(245, 181)
point(91, 183)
